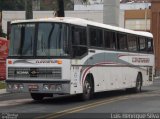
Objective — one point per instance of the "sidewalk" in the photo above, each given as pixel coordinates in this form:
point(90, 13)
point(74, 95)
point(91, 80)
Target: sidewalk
point(3, 91)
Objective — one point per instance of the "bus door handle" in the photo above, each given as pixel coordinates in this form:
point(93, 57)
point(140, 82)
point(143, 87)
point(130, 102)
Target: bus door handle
point(92, 51)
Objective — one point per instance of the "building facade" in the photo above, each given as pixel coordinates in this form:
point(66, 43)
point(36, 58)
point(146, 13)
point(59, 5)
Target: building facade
point(140, 15)
point(138, 20)
point(155, 29)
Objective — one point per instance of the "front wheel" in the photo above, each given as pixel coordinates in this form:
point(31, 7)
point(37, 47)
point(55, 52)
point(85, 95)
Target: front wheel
point(37, 96)
point(87, 90)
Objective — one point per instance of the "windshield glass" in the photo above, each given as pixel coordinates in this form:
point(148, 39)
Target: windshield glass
point(22, 40)
point(51, 39)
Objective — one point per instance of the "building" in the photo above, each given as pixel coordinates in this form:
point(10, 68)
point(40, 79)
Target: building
point(138, 20)
point(155, 29)
point(138, 15)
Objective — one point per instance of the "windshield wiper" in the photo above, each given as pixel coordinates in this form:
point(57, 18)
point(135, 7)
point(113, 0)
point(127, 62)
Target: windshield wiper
point(50, 34)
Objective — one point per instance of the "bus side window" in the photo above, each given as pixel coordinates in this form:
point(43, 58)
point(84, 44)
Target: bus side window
point(132, 42)
point(79, 41)
point(109, 39)
point(96, 37)
point(142, 44)
point(122, 41)
point(149, 45)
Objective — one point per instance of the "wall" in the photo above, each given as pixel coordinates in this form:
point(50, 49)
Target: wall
point(134, 6)
point(111, 12)
point(138, 19)
point(89, 15)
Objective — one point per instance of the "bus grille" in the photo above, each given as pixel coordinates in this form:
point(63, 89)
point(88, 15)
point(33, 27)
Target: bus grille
point(39, 73)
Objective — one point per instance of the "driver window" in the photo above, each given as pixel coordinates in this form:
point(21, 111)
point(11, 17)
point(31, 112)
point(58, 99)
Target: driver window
point(79, 41)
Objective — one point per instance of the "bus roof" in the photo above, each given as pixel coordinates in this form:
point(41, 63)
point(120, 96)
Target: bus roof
point(83, 22)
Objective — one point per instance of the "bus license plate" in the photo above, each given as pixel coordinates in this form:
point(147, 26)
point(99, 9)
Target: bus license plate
point(33, 87)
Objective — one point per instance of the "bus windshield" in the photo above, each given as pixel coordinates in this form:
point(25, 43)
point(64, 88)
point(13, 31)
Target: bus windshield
point(39, 39)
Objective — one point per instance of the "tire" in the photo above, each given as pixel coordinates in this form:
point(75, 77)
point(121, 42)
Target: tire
point(37, 96)
point(138, 87)
point(87, 90)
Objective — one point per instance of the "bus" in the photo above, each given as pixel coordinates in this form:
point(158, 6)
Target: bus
point(70, 56)
point(3, 56)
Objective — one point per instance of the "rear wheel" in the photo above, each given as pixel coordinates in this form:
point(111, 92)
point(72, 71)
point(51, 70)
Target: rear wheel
point(87, 90)
point(138, 87)
point(37, 96)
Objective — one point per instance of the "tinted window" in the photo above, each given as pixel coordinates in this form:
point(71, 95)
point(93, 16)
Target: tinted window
point(150, 45)
point(142, 44)
point(96, 37)
point(109, 39)
point(122, 41)
point(22, 40)
point(79, 36)
point(52, 39)
point(79, 41)
point(132, 42)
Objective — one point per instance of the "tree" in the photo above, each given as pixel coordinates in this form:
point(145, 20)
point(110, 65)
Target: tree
point(12, 4)
point(28, 9)
point(60, 11)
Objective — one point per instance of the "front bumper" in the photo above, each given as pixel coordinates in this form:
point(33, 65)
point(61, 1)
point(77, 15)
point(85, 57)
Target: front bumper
point(39, 86)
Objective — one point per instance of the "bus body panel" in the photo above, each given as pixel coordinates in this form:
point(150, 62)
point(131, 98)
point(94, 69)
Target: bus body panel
point(39, 72)
point(117, 70)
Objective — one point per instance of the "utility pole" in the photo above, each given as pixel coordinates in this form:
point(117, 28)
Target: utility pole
point(60, 12)
point(28, 9)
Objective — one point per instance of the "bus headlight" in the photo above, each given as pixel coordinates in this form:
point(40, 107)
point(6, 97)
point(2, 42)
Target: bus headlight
point(15, 87)
point(21, 86)
point(58, 87)
point(45, 87)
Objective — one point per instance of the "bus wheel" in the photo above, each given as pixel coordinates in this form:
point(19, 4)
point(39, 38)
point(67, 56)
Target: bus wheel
point(87, 90)
point(138, 87)
point(37, 96)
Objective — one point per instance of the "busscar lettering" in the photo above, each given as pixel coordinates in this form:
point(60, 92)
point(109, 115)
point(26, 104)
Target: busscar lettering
point(46, 61)
point(140, 60)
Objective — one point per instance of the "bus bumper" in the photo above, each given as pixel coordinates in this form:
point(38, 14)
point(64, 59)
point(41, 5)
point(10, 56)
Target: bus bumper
point(28, 86)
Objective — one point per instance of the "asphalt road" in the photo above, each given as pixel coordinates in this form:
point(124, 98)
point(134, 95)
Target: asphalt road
point(112, 104)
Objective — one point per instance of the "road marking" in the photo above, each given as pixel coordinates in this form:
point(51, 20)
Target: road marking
point(83, 107)
point(96, 104)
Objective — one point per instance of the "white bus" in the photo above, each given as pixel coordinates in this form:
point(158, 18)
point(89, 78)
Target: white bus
point(76, 56)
